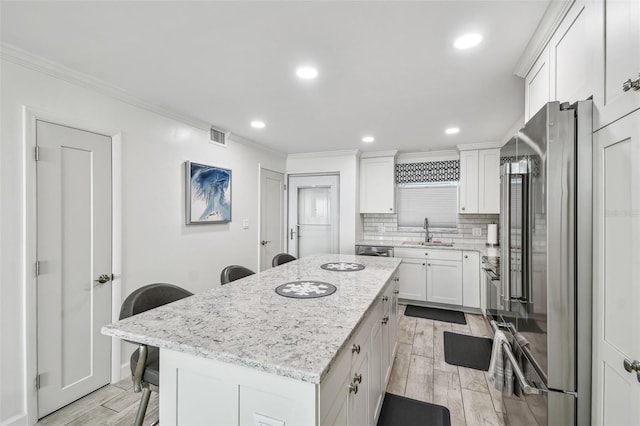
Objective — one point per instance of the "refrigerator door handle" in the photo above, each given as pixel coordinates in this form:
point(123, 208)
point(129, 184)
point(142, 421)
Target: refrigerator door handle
point(527, 388)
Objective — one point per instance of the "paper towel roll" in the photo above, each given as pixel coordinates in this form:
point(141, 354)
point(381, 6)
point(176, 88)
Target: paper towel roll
point(492, 234)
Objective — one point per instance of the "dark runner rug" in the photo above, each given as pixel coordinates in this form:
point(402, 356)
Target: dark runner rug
point(467, 351)
point(400, 411)
point(435, 314)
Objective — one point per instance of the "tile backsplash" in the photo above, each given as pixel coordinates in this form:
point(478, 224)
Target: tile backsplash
point(378, 226)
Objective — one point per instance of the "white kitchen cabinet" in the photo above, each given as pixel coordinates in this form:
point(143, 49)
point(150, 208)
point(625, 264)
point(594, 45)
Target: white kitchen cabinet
point(377, 185)
point(489, 181)
point(468, 189)
point(571, 55)
point(617, 60)
point(413, 279)
point(471, 292)
point(479, 189)
point(537, 85)
point(357, 381)
point(444, 281)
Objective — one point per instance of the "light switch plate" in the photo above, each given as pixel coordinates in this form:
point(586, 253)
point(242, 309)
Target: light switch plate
point(262, 420)
point(476, 232)
point(245, 223)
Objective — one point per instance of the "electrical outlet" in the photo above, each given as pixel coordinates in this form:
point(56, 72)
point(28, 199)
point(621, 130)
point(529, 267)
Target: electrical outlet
point(245, 223)
point(476, 232)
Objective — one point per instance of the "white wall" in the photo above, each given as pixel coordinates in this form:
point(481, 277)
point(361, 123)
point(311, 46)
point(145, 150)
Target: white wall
point(347, 164)
point(156, 244)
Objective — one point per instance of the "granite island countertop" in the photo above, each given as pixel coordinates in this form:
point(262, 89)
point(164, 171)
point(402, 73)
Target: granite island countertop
point(246, 323)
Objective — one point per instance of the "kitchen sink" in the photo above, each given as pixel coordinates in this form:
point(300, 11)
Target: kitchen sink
point(423, 244)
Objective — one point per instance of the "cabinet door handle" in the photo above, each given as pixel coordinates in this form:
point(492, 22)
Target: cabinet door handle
point(357, 378)
point(428, 264)
point(385, 298)
point(424, 264)
point(355, 348)
point(630, 84)
point(353, 388)
point(463, 209)
point(385, 319)
point(396, 291)
point(466, 257)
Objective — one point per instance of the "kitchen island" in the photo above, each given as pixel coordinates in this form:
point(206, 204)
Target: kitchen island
point(243, 354)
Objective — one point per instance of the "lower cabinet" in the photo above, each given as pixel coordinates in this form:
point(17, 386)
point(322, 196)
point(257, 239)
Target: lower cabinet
point(357, 383)
point(444, 281)
point(413, 282)
point(471, 288)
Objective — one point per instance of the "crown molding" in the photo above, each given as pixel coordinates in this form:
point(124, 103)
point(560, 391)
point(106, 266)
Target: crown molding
point(550, 21)
point(479, 145)
point(37, 63)
point(427, 156)
point(375, 154)
point(321, 154)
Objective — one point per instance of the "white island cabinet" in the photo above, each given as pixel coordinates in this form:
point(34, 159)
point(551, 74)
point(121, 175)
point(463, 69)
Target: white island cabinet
point(242, 354)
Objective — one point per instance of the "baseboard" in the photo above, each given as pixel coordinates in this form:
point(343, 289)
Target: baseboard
point(19, 420)
point(125, 371)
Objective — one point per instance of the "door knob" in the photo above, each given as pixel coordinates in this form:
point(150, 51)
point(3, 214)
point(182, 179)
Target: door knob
point(629, 84)
point(264, 242)
point(632, 366)
point(103, 279)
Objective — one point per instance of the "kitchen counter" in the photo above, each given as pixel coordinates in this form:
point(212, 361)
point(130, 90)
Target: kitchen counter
point(479, 246)
point(246, 323)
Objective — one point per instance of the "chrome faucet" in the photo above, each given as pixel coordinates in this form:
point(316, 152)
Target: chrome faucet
point(427, 238)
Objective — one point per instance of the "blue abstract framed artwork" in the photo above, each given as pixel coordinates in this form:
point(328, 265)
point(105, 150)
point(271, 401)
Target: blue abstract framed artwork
point(208, 194)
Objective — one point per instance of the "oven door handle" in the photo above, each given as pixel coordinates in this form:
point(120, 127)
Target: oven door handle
point(527, 388)
point(492, 275)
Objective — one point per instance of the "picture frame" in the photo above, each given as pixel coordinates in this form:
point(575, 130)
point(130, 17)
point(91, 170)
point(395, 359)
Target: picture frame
point(208, 194)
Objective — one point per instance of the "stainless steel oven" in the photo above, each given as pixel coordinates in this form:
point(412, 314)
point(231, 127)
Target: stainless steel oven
point(493, 296)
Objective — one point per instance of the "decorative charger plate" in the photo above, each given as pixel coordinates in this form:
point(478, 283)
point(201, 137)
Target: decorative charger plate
point(343, 266)
point(305, 289)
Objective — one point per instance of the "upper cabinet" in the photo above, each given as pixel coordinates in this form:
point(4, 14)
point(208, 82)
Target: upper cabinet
point(377, 183)
point(593, 51)
point(618, 61)
point(536, 85)
point(479, 190)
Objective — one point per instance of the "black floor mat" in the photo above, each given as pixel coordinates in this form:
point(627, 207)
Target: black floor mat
point(435, 314)
point(401, 411)
point(467, 351)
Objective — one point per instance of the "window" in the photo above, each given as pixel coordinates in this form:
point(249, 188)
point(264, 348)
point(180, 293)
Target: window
point(436, 201)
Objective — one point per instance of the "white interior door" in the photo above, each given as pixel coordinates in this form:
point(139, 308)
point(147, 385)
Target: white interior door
point(271, 216)
point(617, 273)
point(313, 214)
point(74, 249)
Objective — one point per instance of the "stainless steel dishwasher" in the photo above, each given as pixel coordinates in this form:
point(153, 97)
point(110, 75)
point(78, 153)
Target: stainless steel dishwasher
point(384, 251)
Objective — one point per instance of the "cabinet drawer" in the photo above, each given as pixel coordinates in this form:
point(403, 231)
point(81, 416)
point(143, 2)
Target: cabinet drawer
point(455, 255)
point(410, 253)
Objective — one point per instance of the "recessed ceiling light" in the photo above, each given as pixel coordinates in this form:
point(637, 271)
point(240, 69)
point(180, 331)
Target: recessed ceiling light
point(452, 130)
point(258, 124)
point(467, 41)
point(307, 73)
point(368, 139)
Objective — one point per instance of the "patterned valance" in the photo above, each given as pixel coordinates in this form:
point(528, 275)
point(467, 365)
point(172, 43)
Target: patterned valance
point(432, 171)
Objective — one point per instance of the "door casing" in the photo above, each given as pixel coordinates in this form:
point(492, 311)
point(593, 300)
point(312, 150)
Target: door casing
point(30, 115)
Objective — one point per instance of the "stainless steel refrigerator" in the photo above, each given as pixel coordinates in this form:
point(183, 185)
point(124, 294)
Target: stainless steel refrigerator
point(545, 264)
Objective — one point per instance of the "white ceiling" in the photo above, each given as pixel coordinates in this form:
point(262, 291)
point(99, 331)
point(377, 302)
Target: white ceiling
point(387, 68)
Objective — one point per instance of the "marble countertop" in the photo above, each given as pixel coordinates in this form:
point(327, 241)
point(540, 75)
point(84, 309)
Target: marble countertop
point(246, 323)
point(479, 246)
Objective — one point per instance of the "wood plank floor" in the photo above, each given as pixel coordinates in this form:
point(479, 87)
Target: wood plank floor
point(113, 405)
point(419, 372)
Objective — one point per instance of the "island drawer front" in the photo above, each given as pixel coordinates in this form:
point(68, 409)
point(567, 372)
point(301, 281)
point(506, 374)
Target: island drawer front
point(455, 255)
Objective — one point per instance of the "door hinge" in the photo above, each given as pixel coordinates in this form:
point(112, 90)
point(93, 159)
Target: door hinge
point(37, 381)
point(36, 268)
point(36, 153)
point(285, 187)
